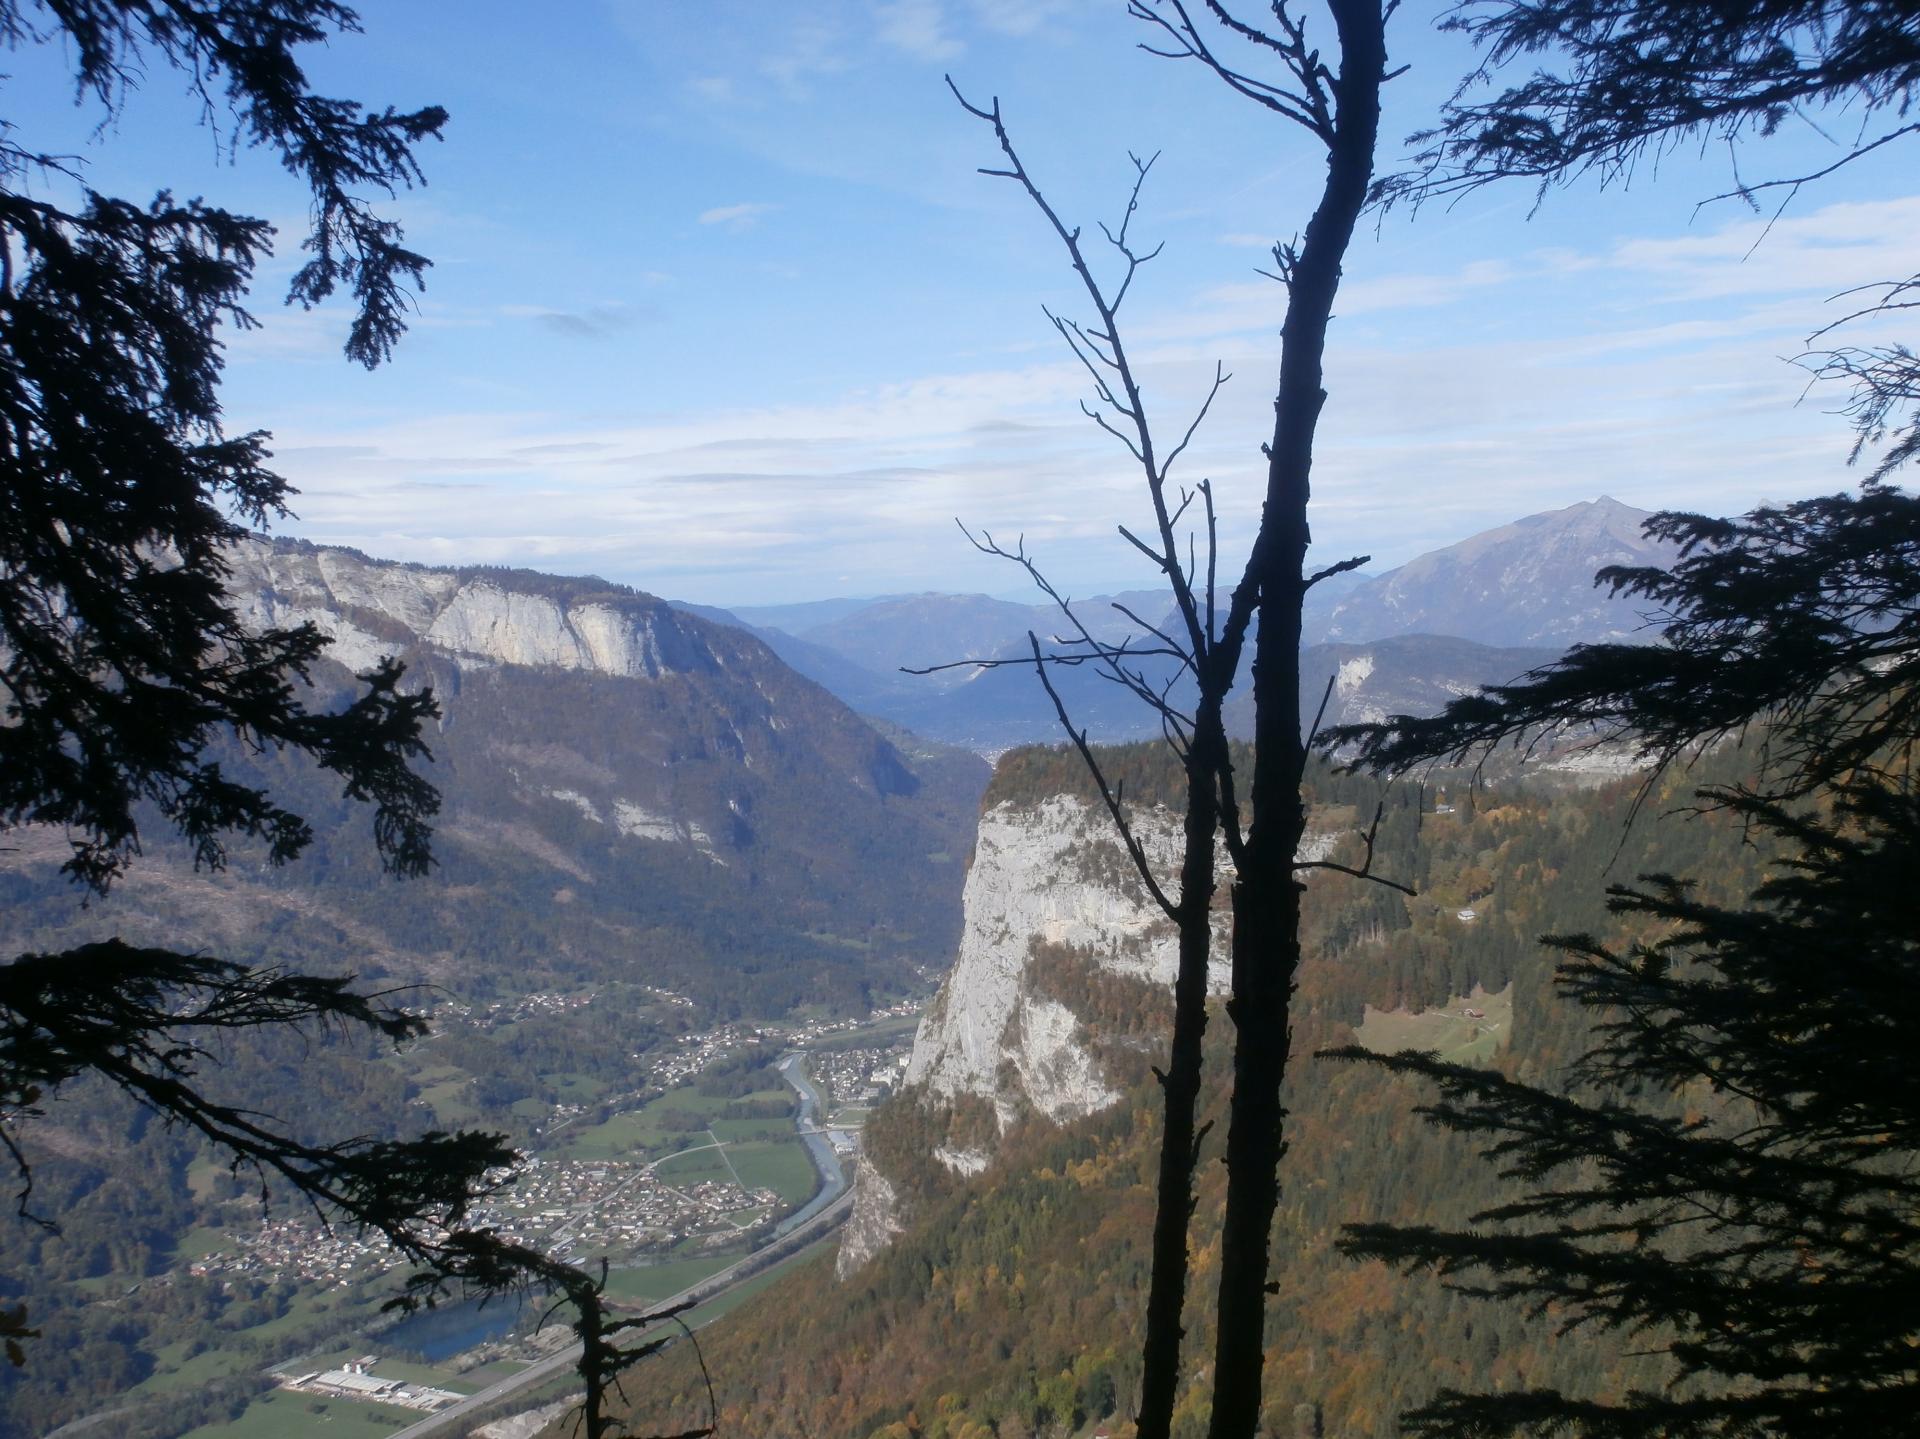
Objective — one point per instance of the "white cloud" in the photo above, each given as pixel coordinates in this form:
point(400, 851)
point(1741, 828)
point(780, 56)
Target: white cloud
point(743, 216)
point(1442, 419)
point(917, 28)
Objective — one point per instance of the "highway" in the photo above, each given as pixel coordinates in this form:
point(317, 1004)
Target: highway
point(563, 1360)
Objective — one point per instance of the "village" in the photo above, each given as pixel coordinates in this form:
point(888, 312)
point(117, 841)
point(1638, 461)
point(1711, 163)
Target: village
point(619, 1208)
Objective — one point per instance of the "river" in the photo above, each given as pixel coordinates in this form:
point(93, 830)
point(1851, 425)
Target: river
point(833, 1176)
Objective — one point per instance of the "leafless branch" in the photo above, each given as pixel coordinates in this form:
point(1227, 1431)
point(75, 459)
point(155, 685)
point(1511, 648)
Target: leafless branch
point(1365, 871)
point(1340, 569)
point(1107, 795)
point(1307, 105)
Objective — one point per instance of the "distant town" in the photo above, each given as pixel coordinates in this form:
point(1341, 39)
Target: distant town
point(622, 1209)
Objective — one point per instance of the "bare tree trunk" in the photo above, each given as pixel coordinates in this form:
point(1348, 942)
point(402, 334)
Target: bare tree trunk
point(1180, 1084)
point(1266, 894)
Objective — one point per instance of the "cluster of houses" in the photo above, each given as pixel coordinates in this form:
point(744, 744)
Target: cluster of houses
point(579, 1207)
point(292, 1248)
point(858, 1077)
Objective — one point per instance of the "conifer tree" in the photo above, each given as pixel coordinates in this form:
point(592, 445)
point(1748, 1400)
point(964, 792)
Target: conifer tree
point(129, 680)
point(1729, 1174)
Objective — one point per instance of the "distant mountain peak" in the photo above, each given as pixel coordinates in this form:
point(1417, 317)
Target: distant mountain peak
point(1529, 582)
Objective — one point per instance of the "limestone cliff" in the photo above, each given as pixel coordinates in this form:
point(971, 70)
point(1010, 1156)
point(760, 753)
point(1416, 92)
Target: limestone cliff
point(872, 1222)
point(1050, 882)
point(369, 606)
point(1048, 876)
point(1052, 872)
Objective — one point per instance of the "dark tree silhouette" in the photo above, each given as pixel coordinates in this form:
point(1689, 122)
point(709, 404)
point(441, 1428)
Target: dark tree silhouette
point(1200, 655)
point(127, 674)
point(1339, 106)
point(1729, 1175)
point(123, 662)
point(1191, 663)
point(1762, 1231)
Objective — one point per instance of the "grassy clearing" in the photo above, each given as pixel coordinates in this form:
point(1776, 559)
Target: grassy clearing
point(576, 1088)
point(282, 1415)
point(672, 1121)
point(1447, 1031)
point(621, 1136)
point(199, 1242)
point(735, 1130)
point(782, 1167)
point(176, 1374)
point(651, 1283)
point(449, 1100)
point(202, 1175)
point(694, 1166)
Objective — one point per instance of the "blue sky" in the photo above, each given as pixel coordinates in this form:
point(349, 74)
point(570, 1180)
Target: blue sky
point(720, 308)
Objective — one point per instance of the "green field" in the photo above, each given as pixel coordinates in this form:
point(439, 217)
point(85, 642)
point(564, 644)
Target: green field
point(781, 1166)
point(281, 1415)
point(650, 1283)
point(645, 1132)
point(174, 1373)
point(576, 1088)
point(734, 1130)
point(449, 1101)
point(1445, 1031)
point(694, 1167)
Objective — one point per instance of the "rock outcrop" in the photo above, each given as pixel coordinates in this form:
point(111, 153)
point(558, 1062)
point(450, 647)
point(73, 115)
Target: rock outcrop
point(1051, 872)
point(368, 606)
point(871, 1223)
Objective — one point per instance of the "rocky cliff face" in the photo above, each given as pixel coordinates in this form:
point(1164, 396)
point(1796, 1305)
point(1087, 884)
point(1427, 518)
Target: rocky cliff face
point(873, 1221)
point(368, 607)
point(1050, 873)
point(1049, 879)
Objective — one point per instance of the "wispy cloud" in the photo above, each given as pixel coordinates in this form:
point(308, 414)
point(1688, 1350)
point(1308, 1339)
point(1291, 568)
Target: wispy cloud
point(917, 28)
point(743, 216)
point(1655, 403)
point(596, 322)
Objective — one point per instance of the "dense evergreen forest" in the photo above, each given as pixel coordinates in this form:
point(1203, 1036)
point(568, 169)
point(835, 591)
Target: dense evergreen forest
point(1012, 1304)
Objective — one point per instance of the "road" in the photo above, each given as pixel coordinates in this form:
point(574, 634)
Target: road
point(822, 1213)
point(563, 1360)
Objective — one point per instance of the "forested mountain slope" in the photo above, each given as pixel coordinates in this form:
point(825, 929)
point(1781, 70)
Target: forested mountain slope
point(1010, 1293)
point(650, 827)
point(627, 789)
